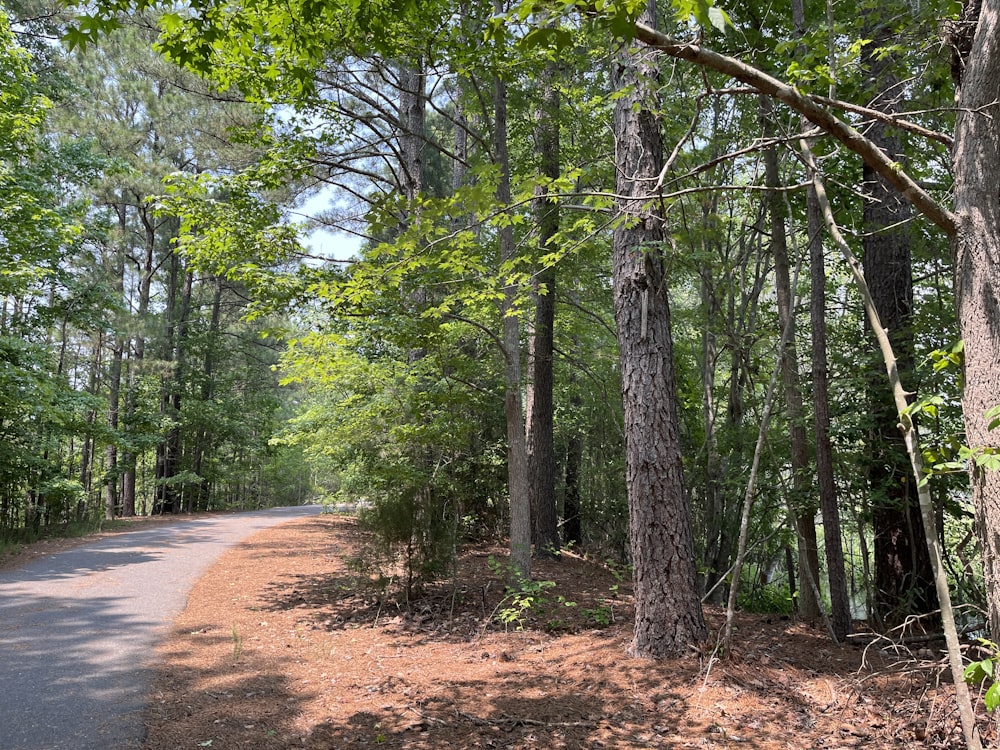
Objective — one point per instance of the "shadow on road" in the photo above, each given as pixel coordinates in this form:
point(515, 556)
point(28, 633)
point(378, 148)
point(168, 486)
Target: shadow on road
point(78, 629)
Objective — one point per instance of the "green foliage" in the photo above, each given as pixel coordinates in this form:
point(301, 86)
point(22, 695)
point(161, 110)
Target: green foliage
point(398, 391)
point(602, 616)
point(522, 596)
point(399, 434)
point(768, 599)
point(983, 671)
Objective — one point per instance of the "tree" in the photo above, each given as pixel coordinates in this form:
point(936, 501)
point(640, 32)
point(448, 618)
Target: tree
point(540, 406)
point(904, 581)
point(668, 612)
point(465, 245)
point(801, 507)
point(975, 240)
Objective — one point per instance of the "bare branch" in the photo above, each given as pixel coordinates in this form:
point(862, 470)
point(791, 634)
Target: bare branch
point(811, 110)
point(886, 117)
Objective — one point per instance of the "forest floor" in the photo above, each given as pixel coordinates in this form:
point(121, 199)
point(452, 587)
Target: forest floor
point(280, 647)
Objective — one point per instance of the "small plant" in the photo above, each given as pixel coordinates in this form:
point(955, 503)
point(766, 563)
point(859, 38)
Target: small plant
point(237, 643)
point(985, 670)
point(619, 571)
point(557, 623)
point(772, 599)
point(521, 596)
point(601, 616)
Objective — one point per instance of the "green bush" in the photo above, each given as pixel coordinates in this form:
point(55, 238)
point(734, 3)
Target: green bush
point(774, 599)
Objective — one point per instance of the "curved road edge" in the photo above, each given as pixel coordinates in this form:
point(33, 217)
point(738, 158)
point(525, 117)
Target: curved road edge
point(78, 628)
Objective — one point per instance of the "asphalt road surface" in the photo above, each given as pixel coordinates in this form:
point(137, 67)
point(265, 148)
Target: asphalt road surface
point(78, 629)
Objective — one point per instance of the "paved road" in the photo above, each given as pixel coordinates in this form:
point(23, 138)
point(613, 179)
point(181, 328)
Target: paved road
point(78, 629)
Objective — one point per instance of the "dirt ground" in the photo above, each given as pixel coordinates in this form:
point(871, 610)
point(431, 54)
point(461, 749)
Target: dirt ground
point(279, 647)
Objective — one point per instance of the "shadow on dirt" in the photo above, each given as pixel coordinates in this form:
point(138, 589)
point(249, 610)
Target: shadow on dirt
point(341, 667)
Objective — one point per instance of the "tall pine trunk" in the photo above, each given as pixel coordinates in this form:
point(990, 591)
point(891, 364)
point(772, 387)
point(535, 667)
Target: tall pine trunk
point(904, 580)
point(668, 615)
point(976, 164)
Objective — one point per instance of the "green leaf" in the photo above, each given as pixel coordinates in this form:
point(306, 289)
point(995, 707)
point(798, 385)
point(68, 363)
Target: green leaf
point(718, 18)
point(978, 671)
point(622, 25)
point(992, 698)
point(993, 415)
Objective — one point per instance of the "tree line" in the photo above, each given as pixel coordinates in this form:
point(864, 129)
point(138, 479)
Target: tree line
point(132, 385)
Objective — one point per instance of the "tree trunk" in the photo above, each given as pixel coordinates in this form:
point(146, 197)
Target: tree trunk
point(412, 104)
point(93, 383)
point(201, 443)
point(714, 559)
point(517, 459)
point(145, 270)
point(801, 503)
point(169, 453)
point(111, 479)
point(668, 615)
point(840, 618)
point(540, 407)
point(975, 164)
point(111, 451)
point(572, 522)
point(904, 581)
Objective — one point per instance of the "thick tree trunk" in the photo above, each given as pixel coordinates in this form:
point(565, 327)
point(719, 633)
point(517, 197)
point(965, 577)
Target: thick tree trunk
point(668, 612)
point(540, 406)
point(976, 164)
point(412, 102)
point(904, 580)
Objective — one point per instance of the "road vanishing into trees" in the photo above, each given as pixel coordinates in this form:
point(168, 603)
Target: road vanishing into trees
point(78, 629)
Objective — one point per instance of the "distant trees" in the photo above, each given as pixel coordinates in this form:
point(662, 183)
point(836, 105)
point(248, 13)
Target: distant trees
point(133, 382)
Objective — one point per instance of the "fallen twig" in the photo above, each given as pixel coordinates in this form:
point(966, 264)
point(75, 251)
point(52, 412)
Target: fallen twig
point(520, 721)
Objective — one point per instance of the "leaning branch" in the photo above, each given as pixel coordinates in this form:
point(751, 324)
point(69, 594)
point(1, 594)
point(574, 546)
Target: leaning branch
point(875, 157)
point(912, 442)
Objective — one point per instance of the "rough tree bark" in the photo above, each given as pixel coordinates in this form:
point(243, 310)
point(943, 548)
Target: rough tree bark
point(904, 580)
point(975, 165)
point(668, 611)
